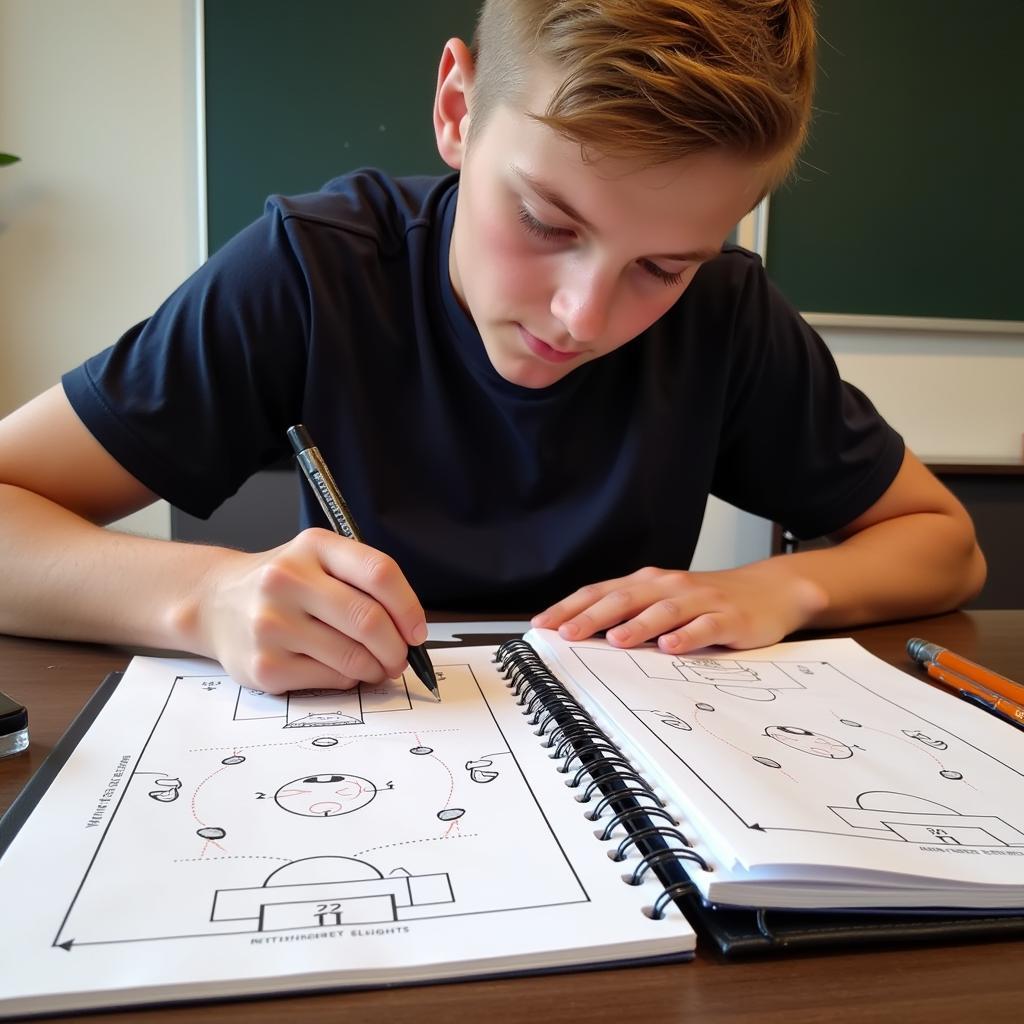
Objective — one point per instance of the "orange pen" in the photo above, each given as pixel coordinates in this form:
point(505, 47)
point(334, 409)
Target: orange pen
point(923, 652)
point(999, 705)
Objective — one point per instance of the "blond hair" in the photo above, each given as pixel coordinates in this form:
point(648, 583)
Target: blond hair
point(656, 80)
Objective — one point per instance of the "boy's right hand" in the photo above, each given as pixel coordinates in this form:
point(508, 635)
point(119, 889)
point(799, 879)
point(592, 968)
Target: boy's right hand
point(320, 611)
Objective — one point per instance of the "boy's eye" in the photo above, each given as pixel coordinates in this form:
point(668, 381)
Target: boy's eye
point(662, 275)
point(549, 233)
point(540, 229)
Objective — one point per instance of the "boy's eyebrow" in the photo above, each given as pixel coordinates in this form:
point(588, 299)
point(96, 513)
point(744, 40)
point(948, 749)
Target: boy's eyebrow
point(549, 196)
point(552, 197)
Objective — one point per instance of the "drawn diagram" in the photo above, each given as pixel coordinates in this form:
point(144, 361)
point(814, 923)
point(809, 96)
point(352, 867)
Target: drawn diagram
point(249, 812)
point(671, 719)
point(758, 681)
point(325, 795)
point(303, 709)
point(836, 761)
point(814, 743)
point(915, 820)
point(320, 892)
point(167, 790)
point(916, 734)
point(482, 770)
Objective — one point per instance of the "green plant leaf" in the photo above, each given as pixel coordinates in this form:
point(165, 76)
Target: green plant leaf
point(8, 158)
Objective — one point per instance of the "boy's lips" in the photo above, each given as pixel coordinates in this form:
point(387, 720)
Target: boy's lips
point(543, 349)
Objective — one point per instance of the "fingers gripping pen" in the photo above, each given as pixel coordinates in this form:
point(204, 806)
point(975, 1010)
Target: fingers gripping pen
point(319, 477)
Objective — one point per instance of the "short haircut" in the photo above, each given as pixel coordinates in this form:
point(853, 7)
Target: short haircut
point(656, 80)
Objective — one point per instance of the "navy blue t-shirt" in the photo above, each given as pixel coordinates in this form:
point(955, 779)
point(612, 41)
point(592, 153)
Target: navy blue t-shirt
point(336, 310)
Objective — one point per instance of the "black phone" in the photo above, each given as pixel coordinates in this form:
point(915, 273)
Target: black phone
point(13, 726)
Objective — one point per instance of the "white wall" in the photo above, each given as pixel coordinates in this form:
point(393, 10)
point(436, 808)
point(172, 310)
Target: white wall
point(954, 394)
point(98, 222)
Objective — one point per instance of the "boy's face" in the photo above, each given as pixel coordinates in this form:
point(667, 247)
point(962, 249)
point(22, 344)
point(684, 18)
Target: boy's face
point(559, 261)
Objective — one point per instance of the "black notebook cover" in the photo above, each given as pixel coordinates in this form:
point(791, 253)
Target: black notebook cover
point(738, 932)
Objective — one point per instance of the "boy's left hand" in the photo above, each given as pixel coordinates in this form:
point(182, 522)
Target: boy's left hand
point(751, 606)
point(913, 552)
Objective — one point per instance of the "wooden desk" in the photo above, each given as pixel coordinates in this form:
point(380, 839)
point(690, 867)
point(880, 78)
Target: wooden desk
point(983, 982)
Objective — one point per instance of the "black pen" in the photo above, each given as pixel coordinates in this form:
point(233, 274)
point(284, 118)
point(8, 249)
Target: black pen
point(315, 470)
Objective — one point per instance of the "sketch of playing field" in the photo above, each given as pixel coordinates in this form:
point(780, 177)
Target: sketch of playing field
point(799, 746)
point(322, 708)
point(243, 812)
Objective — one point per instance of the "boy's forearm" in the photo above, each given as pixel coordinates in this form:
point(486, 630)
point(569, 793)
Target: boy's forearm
point(66, 578)
point(918, 564)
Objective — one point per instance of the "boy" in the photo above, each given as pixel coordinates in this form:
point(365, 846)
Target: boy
point(526, 378)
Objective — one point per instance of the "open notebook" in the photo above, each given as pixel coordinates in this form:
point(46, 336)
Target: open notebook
point(203, 840)
point(567, 804)
point(813, 775)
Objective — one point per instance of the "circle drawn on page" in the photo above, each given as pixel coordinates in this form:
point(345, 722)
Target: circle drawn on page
point(809, 742)
point(325, 796)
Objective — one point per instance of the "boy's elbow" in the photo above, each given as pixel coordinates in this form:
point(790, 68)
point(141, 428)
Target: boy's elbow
point(976, 573)
point(970, 568)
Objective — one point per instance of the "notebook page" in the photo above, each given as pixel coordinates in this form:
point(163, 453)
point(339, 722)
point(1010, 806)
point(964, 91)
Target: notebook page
point(815, 759)
point(206, 838)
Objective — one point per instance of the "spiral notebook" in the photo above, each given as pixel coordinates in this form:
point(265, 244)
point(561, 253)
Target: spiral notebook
point(567, 805)
point(196, 839)
point(808, 793)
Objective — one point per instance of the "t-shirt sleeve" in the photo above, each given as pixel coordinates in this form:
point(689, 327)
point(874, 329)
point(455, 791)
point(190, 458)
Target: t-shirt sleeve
point(800, 446)
point(198, 397)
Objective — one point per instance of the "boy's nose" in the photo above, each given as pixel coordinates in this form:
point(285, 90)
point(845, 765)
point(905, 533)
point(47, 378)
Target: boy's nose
point(582, 305)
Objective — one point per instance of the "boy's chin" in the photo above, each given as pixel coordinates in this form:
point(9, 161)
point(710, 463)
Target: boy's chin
point(529, 374)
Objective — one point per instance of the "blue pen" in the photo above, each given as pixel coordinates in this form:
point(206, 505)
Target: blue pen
point(975, 698)
point(1002, 707)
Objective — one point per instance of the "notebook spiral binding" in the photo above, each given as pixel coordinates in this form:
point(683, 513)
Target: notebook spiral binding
point(600, 767)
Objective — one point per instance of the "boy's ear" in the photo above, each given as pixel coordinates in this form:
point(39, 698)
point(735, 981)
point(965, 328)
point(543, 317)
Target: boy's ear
point(451, 102)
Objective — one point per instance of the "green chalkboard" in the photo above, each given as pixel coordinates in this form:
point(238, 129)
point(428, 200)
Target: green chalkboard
point(907, 200)
point(299, 92)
